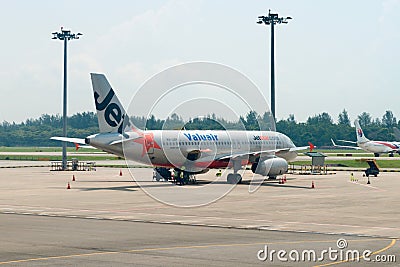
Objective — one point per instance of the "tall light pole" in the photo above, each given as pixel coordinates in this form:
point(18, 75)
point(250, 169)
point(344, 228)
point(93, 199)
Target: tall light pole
point(272, 19)
point(65, 35)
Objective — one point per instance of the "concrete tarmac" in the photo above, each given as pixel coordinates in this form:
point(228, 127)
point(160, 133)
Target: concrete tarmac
point(106, 219)
point(55, 241)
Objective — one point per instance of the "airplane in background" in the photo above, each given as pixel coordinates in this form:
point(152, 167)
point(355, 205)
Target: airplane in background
point(190, 152)
point(376, 147)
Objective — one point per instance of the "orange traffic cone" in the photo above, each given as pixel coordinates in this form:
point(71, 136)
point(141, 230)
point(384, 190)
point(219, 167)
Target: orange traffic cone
point(120, 172)
point(68, 186)
point(312, 185)
point(73, 178)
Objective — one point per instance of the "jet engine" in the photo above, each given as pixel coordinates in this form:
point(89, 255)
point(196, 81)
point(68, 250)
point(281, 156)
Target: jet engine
point(194, 155)
point(270, 167)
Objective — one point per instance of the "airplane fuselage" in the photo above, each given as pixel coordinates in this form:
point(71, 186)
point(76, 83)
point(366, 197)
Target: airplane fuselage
point(379, 146)
point(195, 150)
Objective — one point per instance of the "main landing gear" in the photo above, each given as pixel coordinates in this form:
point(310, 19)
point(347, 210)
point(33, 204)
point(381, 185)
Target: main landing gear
point(183, 177)
point(235, 178)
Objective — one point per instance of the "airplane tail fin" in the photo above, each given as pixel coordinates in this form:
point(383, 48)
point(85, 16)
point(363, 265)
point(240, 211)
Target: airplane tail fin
point(110, 112)
point(359, 133)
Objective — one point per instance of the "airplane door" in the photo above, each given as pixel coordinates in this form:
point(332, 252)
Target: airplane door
point(150, 145)
point(238, 146)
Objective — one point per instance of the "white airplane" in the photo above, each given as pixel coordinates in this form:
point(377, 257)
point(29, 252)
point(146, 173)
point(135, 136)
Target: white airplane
point(376, 147)
point(190, 152)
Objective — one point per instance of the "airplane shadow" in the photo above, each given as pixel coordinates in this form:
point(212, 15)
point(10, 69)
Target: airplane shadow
point(272, 183)
point(284, 185)
point(96, 181)
point(130, 188)
point(114, 188)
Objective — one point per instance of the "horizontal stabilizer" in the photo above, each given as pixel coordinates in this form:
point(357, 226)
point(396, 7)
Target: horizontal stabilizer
point(80, 141)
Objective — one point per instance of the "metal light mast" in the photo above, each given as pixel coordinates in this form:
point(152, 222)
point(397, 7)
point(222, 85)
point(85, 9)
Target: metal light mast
point(271, 20)
point(65, 35)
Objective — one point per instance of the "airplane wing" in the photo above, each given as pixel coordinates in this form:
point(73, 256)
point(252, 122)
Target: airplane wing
point(245, 154)
point(346, 141)
point(310, 146)
point(271, 151)
point(351, 147)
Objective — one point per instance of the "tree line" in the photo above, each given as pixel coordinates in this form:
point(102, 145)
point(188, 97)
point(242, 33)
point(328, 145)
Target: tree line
point(318, 129)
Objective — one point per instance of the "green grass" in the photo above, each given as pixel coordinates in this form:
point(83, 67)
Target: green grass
point(340, 151)
point(355, 163)
point(46, 149)
point(55, 158)
point(355, 153)
point(29, 149)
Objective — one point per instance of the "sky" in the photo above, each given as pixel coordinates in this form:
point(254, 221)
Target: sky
point(333, 55)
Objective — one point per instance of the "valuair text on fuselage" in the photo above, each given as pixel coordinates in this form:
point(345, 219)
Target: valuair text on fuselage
point(201, 137)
